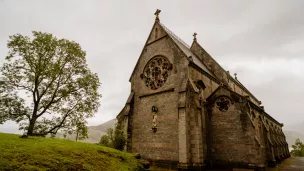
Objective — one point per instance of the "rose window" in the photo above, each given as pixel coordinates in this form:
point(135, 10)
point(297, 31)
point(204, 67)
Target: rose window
point(222, 104)
point(156, 72)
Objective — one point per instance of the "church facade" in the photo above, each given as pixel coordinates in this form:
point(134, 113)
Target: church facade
point(185, 111)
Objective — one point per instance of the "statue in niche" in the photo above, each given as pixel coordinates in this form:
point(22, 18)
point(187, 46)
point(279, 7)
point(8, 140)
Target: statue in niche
point(154, 121)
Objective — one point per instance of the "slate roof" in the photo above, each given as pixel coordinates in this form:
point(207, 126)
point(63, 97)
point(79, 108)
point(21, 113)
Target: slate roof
point(186, 49)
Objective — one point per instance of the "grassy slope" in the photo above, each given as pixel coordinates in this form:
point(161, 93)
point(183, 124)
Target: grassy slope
point(36, 153)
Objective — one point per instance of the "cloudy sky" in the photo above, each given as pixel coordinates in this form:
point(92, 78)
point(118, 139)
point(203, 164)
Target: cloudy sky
point(261, 41)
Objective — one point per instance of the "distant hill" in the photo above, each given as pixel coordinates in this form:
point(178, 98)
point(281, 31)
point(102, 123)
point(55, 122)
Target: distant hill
point(37, 153)
point(291, 137)
point(294, 131)
point(103, 127)
point(298, 127)
point(95, 132)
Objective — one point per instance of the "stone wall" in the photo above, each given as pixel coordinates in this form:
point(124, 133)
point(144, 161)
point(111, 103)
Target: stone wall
point(162, 145)
point(211, 84)
point(231, 133)
point(193, 126)
point(219, 72)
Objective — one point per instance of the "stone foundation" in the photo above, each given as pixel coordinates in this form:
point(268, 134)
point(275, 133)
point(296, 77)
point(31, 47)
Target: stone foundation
point(165, 164)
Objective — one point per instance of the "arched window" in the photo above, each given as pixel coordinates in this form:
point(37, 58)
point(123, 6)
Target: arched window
point(156, 33)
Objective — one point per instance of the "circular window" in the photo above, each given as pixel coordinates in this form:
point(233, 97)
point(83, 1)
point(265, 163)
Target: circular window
point(222, 104)
point(156, 72)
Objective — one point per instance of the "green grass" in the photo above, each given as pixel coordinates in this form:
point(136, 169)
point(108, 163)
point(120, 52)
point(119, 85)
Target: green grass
point(37, 153)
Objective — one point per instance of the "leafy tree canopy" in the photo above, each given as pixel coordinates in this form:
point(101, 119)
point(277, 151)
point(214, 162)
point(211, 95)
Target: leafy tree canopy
point(54, 74)
point(298, 148)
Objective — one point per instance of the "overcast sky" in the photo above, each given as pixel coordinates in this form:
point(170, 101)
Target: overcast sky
point(262, 41)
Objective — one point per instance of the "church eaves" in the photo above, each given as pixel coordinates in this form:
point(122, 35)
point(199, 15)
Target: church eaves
point(181, 45)
point(186, 50)
point(229, 76)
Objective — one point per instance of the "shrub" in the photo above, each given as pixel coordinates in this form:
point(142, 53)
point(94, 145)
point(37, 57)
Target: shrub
point(115, 138)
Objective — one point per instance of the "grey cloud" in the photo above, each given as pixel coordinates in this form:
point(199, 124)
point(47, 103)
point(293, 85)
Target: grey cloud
point(281, 94)
point(271, 30)
point(113, 34)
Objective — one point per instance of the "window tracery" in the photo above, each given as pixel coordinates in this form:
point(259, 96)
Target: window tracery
point(222, 103)
point(156, 72)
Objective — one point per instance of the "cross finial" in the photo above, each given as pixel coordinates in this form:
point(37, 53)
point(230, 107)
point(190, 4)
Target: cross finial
point(194, 36)
point(235, 74)
point(157, 14)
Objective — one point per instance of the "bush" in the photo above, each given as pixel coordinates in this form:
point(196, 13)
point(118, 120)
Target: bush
point(115, 138)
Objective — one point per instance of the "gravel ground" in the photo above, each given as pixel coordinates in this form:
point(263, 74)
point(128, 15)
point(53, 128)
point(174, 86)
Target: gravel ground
point(291, 164)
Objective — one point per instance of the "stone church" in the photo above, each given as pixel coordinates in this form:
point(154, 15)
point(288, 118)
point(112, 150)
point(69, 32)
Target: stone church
point(185, 111)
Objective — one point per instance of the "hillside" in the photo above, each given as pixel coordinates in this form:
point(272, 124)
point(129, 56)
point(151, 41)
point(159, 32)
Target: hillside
point(37, 153)
point(291, 136)
point(103, 127)
point(94, 132)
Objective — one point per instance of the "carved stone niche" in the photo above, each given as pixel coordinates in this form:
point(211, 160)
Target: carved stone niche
point(200, 84)
point(154, 121)
point(223, 103)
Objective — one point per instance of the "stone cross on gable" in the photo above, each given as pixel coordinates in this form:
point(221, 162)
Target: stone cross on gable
point(157, 14)
point(194, 36)
point(235, 74)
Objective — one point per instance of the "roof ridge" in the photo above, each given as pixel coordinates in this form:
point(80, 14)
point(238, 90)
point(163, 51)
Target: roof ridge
point(175, 36)
point(244, 88)
point(186, 49)
point(236, 80)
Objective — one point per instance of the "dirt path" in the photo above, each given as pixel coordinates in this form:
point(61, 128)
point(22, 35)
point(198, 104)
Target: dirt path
point(291, 164)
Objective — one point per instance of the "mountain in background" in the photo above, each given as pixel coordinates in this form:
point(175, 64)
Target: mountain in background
point(94, 132)
point(294, 131)
point(103, 127)
point(298, 127)
point(291, 137)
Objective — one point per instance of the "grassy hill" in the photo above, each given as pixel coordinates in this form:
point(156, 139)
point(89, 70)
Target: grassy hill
point(37, 153)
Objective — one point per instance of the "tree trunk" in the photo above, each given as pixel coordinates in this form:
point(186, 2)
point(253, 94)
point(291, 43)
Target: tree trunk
point(30, 131)
point(76, 135)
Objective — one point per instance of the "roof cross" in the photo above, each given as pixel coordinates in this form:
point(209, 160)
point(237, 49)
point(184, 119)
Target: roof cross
point(157, 14)
point(235, 74)
point(194, 35)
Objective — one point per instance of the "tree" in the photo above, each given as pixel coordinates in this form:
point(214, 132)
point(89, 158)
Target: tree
point(119, 139)
point(105, 140)
point(53, 73)
point(11, 106)
point(80, 130)
point(298, 148)
point(115, 138)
